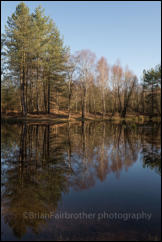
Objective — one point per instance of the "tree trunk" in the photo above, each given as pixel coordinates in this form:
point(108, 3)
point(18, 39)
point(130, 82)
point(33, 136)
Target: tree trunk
point(37, 101)
point(103, 100)
point(123, 114)
point(83, 103)
point(23, 93)
point(48, 97)
point(69, 106)
point(45, 96)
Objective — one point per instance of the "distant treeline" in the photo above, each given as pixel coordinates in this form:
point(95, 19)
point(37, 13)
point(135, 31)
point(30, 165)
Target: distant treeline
point(39, 74)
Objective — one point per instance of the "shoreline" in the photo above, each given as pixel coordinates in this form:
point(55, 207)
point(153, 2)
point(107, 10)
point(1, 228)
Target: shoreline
point(62, 118)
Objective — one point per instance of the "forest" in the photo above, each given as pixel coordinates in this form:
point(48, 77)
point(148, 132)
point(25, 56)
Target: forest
point(40, 75)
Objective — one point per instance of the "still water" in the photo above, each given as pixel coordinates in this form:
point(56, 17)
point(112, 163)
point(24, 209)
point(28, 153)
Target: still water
point(91, 181)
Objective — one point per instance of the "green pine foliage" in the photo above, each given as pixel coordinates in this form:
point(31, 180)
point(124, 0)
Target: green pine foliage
point(35, 56)
point(152, 88)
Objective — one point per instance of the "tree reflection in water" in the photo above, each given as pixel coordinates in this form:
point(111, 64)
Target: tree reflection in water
point(41, 162)
point(152, 148)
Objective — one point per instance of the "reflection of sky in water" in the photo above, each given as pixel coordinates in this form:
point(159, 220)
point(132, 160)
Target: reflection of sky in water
point(78, 172)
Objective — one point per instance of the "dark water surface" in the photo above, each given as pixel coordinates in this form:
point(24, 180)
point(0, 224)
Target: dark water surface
point(97, 181)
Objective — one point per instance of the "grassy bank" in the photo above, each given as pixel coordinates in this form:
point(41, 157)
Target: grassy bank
point(62, 117)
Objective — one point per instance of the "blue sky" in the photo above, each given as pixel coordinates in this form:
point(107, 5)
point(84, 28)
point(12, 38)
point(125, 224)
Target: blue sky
point(129, 31)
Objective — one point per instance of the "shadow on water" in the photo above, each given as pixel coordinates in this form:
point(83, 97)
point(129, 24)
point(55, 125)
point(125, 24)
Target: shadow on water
point(41, 163)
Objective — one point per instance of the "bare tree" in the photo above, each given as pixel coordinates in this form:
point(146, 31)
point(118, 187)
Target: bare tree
point(85, 61)
point(129, 83)
point(116, 83)
point(70, 81)
point(102, 78)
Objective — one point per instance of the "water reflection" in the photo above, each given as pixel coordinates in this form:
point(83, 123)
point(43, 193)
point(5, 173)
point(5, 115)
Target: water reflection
point(40, 163)
point(152, 150)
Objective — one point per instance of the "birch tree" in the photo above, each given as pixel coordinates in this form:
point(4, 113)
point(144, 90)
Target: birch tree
point(102, 78)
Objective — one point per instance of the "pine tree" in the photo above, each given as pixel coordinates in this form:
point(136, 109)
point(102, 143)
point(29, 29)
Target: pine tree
point(36, 57)
point(55, 64)
point(152, 88)
point(41, 30)
point(18, 43)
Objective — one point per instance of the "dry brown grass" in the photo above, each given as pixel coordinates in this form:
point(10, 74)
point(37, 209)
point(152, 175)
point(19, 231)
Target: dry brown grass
point(62, 116)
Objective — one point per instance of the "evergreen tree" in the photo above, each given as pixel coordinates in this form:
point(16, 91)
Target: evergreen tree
point(35, 56)
point(18, 41)
point(55, 64)
point(152, 88)
point(41, 31)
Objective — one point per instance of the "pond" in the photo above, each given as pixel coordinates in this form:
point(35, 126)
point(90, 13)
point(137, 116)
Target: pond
point(81, 181)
